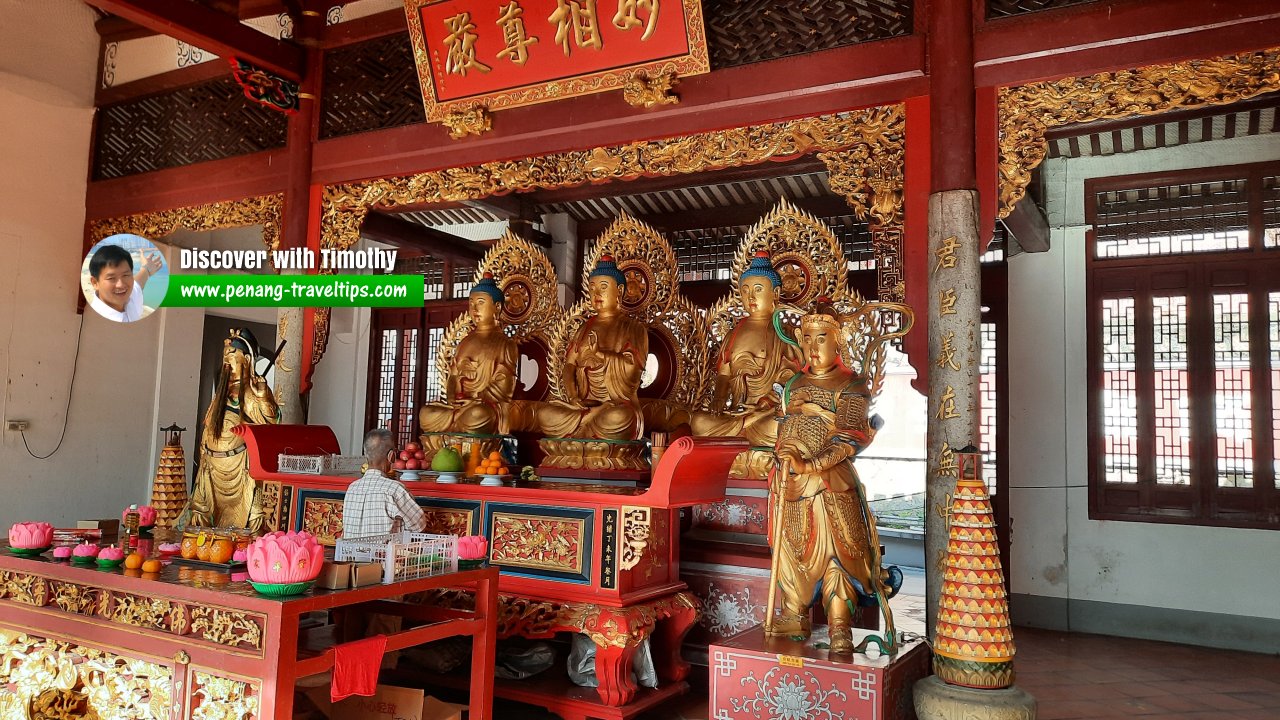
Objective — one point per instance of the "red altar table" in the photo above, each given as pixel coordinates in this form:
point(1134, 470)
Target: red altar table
point(597, 559)
point(189, 644)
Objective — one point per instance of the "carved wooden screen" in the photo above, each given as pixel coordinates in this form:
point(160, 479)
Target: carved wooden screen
point(402, 365)
point(1183, 342)
point(395, 371)
point(208, 121)
point(1005, 8)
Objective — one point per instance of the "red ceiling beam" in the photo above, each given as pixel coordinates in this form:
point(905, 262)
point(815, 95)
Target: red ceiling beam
point(364, 28)
point(261, 173)
point(209, 30)
point(805, 85)
point(1105, 36)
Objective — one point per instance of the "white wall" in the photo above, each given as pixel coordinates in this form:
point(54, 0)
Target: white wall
point(45, 120)
point(341, 379)
point(1057, 551)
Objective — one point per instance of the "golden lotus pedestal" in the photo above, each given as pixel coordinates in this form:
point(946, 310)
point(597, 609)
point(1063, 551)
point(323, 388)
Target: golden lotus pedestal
point(433, 441)
point(592, 455)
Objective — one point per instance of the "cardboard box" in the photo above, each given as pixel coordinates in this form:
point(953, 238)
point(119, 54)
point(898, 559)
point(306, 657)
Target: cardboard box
point(433, 709)
point(388, 703)
point(334, 575)
point(110, 527)
point(365, 573)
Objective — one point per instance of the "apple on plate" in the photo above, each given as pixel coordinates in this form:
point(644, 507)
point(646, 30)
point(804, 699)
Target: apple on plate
point(413, 447)
point(406, 455)
point(419, 455)
point(412, 464)
point(400, 464)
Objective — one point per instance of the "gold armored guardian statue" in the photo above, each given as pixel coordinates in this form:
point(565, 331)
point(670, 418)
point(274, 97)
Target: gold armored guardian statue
point(823, 536)
point(224, 494)
point(483, 377)
point(600, 380)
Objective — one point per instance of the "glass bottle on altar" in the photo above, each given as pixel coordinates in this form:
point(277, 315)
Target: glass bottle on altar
point(131, 521)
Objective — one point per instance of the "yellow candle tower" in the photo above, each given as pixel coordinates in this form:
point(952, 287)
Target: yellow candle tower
point(974, 646)
point(169, 489)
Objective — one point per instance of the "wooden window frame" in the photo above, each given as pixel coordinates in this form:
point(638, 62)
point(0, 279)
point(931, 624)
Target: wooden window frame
point(1198, 276)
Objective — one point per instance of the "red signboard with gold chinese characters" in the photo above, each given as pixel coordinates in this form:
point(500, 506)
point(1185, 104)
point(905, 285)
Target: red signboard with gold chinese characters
point(499, 54)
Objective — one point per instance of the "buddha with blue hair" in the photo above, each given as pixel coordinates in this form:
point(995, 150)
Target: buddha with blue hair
point(752, 359)
point(600, 381)
point(482, 378)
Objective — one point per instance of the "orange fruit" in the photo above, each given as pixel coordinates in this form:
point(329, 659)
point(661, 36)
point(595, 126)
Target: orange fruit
point(133, 562)
point(502, 470)
point(495, 455)
point(152, 566)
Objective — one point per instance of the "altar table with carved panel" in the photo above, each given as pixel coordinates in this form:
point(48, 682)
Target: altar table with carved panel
point(597, 559)
point(184, 644)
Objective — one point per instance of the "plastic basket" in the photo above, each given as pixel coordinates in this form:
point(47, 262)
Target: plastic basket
point(404, 556)
point(319, 464)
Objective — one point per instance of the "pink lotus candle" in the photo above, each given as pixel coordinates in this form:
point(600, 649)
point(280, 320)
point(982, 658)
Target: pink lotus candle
point(472, 547)
point(85, 551)
point(62, 553)
point(240, 556)
point(31, 535)
point(281, 557)
point(111, 553)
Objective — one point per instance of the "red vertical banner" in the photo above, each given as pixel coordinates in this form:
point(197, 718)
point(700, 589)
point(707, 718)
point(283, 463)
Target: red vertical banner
point(503, 54)
point(915, 231)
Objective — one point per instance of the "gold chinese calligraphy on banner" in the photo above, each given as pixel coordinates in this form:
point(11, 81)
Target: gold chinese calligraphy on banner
point(508, 53)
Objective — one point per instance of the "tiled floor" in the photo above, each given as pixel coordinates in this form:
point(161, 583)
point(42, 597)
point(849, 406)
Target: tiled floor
point(1074, 676)
point(1079, 677)
point(1092, 676)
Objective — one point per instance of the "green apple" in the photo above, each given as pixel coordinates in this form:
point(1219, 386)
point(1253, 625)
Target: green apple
point(447, 460)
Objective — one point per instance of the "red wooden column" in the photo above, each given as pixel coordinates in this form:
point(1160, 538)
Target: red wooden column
point(954, 306)
point(297, 325)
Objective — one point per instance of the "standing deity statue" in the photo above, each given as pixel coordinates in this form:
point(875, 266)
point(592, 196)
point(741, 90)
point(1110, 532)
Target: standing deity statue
point(600, 380)
point(823, 534)
point(224, 494)
point(482, 378)
point(754, 357)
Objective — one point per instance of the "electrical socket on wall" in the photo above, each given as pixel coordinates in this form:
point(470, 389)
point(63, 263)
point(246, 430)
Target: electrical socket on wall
point(17, 425)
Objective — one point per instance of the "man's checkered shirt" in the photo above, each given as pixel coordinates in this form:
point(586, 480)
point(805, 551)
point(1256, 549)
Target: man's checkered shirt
point(374, 502)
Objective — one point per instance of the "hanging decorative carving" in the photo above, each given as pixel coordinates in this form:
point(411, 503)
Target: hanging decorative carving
point(870, 177)
point(264, 210)
point(345, 206)
point(474, 120)
point(1028, 111)
point(650, 92)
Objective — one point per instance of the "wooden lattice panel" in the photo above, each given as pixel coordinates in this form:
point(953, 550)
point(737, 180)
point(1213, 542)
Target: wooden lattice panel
point(370, 86)
point(1005, 8)
point(209, 121)
point(747, 31)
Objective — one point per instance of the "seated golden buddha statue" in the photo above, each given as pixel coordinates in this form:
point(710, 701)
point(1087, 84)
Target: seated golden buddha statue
point(482, 376)
point(600, 378)
point(753, 358)
point(823, 535)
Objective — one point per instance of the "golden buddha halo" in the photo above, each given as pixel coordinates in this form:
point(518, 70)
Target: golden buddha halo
point(531, 309)
point(528, 280)
point(647, 261)
point(803, 250)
